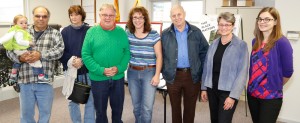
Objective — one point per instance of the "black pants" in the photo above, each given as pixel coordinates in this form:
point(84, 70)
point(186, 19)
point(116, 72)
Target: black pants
point(216, 99)
point(264, 110)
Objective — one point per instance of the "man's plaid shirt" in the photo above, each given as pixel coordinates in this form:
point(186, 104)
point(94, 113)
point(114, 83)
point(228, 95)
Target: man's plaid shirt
point(51, 46)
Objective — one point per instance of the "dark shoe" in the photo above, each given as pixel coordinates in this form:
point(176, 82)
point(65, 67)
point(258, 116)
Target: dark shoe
point(16, 87)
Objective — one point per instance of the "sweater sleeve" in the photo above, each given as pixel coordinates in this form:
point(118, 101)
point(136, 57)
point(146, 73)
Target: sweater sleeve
point(20, 40)
point(286, 57)
point(87, 55)
point(8, 36)
point(66, 56)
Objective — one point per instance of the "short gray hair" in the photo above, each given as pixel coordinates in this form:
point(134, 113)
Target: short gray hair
point(107, 6)
point(227, 16)
point(177, 6)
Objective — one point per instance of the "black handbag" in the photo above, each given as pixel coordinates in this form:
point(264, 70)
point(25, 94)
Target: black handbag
point(81, 91)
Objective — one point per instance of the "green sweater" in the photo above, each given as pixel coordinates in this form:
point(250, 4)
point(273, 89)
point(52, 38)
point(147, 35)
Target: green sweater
point(103, 49)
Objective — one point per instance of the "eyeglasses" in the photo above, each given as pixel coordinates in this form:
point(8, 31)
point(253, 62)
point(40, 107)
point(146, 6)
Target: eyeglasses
point(138, 18)
point(41, 16)
point(264, 20)
point(224, 25)
point(109, 16)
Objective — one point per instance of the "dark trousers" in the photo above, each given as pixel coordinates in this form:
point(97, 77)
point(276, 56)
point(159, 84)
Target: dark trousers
point(112, 90)
point(216, 99)
point(183, 85)
point(264, 110)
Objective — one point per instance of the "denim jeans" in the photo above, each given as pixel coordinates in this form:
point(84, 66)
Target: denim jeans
point(142, 93)
point(112, 90)
point(39, 94)
point(89, 110)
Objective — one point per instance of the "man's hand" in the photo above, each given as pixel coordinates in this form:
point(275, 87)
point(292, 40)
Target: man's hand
point(109, 72)
point(24, 56)
point(35, 56)
point(30, 57)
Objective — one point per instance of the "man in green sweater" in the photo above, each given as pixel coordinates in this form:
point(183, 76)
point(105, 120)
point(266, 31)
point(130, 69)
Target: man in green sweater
point(105, 52)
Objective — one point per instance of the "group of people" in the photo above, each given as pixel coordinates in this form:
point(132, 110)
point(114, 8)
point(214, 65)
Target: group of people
point(189, 65)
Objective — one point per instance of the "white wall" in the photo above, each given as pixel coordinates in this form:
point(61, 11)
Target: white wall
point(290, 109)
point(290, 22)
point(57, 8)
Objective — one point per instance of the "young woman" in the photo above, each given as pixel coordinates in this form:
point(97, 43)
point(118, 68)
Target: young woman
point(225, 71)
point(73, 36)
point(145, 63)
point(271, 66)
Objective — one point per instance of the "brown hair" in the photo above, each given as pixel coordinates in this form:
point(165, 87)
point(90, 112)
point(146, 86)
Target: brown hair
point(275, 34)
point(18, 17)
point(144, 12)
point(78, 10)
point(228, 17)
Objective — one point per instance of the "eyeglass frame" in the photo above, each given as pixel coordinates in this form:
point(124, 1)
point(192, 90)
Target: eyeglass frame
point(107, 15)
point(266, 20)
point(225, 25)
point(41, 16)
point(138, 18)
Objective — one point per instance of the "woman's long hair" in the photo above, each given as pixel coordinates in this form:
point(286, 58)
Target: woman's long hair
point(275, 34)
point(144, 12)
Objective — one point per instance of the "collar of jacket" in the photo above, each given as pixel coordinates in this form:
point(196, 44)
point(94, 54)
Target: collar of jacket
point(190, 28)
point(234, 40)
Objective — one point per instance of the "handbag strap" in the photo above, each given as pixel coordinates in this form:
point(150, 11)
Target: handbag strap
point(85, 77)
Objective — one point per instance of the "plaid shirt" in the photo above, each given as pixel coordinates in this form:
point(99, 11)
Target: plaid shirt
point(51, 46)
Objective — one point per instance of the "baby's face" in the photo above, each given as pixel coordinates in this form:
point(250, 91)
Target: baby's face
point(22, 23)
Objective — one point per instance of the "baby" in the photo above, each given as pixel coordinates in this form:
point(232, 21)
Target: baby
point(20, 41)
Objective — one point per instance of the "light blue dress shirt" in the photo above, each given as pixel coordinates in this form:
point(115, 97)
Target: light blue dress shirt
point(183, 56)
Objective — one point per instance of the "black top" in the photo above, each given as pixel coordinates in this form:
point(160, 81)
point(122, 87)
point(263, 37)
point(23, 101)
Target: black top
point(217, 63)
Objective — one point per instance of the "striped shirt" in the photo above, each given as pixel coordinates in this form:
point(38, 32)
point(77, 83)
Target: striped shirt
point(142, 49)
point(51, 46)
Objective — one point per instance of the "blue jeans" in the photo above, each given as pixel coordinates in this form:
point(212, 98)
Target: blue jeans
point(39, 94)
point(89, 110)
point(112, 90)
point(142, 93)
